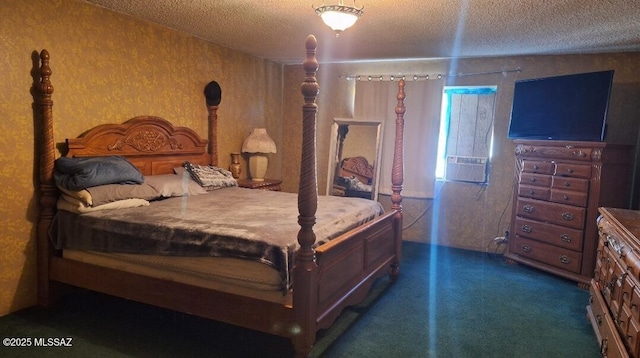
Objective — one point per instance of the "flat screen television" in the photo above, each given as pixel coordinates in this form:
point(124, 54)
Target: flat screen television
point(569, 107)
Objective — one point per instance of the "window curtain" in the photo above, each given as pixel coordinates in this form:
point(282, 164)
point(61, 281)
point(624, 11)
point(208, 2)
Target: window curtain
point(377, 100)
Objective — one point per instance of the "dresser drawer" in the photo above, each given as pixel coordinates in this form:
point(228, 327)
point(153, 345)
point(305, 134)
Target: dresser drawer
point(540, 167)
point(633, 334)
point(567, 183)
point(635, 303)
point(567, 215)
point(569, 197)
point(611, 346)
point(535, 179)
point(536, 192)
point(573, 170)
point(552, 234)
point(565, 259)
point(555, 152)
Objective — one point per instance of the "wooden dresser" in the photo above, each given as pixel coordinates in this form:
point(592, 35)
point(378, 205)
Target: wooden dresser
point(614, 303)
point(558, 188)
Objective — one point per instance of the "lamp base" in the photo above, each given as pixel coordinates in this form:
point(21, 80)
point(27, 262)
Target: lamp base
point(258, 166)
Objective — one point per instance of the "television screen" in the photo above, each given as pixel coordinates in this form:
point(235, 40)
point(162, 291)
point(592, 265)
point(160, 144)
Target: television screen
point(570, 107)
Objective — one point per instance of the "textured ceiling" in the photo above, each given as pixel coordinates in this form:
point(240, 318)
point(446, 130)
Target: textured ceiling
point(401, 29)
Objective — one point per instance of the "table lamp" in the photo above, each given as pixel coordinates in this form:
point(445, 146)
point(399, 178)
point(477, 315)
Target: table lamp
point(258, 144)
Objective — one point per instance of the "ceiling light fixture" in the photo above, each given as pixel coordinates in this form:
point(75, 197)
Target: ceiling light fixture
point(339, 17)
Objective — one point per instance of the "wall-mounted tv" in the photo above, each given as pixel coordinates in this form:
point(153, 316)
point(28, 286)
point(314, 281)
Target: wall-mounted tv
point(570, 107)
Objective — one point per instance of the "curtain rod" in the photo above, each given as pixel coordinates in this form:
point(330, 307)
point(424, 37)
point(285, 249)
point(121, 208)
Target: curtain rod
point(423, 77)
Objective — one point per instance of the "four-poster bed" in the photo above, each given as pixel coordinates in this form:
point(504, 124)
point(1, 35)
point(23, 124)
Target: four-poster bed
point(327, 272)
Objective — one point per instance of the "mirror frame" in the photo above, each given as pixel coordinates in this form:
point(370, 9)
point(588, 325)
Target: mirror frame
point(333, 149)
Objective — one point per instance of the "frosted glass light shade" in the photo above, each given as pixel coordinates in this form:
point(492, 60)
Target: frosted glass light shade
point(339, 17)
point(338, 21)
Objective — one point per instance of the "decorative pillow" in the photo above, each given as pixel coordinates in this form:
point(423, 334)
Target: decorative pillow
point(210, 177)
point(80, 173)
point(108, 193)
point(169, 185)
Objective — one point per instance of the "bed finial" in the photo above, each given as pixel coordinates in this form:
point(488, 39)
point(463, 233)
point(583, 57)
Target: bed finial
point(305, 271)
point(310, 88)
point(46, 89)
point(47, 151)
point(213, 96)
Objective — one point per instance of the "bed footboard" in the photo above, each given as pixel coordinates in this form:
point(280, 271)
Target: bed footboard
point(349, 265)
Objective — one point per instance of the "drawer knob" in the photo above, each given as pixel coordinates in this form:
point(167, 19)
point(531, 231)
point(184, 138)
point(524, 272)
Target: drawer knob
point(580, 154)
point(565, 259)
point(533, 180)
point(532, 192)
point(567, 184)
point(526, 248)
point(567, 216)
point(527, 228)
point(565, 238)
point(565, 197)
point(570, 170)
point(535, 167)
point(528, 208)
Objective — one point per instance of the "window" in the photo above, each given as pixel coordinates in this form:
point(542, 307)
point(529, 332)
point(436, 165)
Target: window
point(466, 134)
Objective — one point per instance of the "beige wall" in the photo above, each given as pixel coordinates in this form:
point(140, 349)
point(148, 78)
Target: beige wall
point(466, 215)
point(108, 68)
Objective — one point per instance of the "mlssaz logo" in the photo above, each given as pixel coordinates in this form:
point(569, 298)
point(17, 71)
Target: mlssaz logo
point(53, 342)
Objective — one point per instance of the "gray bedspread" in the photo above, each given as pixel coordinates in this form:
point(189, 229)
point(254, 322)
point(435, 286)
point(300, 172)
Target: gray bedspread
point(238, 222)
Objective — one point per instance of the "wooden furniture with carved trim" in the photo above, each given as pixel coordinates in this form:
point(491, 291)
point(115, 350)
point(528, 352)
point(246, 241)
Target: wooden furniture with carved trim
point(614, 302)
point(358, 167)
point(328, 277)
point(558, 188)
point(267, 184)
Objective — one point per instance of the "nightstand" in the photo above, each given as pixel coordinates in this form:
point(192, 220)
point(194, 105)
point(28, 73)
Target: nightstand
point(267, 184)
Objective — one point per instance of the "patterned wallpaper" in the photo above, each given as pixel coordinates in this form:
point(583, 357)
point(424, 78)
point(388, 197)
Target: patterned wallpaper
point(108, 68)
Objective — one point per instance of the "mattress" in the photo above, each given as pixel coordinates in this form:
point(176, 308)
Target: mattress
point(254, 225)
point(232, 275)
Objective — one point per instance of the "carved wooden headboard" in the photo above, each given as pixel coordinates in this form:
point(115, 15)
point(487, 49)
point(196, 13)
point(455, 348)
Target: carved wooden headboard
point(358, 167)
point(152, 144)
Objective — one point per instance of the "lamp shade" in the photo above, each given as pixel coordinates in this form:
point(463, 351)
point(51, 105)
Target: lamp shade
point(259, 142)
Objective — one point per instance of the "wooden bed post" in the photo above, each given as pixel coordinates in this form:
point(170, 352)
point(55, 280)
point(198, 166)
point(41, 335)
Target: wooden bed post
point(397, 177)
point(48, 193)
point(305, 271)
point(213, 131)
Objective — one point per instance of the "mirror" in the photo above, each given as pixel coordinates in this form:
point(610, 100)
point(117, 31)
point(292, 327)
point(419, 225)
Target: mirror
point(354, 158)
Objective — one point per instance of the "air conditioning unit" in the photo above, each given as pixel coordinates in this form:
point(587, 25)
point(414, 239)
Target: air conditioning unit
point(466, 169)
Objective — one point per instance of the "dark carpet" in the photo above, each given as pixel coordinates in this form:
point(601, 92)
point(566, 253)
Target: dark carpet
point(446, 303)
